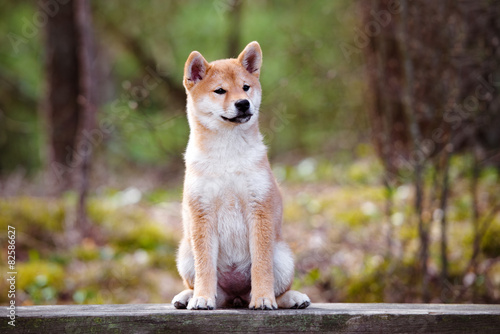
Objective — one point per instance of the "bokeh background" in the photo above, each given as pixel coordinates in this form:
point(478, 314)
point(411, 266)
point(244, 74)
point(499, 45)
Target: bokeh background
point(381, 117)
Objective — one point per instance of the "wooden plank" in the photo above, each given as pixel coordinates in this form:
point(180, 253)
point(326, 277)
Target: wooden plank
point(332, 318)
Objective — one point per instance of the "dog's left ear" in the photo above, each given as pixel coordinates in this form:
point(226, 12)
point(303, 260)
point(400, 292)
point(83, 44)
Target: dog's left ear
point(195, 69)
point(251, 58)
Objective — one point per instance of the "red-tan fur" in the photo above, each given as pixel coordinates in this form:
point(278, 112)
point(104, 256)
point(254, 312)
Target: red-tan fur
point(232, 252)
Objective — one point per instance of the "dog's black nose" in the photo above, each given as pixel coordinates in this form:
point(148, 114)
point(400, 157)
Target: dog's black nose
point(242, 105)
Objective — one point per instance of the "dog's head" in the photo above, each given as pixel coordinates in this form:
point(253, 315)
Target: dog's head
point(224, 92)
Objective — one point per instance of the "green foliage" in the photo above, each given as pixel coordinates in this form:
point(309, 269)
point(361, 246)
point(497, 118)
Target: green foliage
point(309, 87)
point(39, 219)
point(86, 253)
point(129, 241)
point(146, 236)
point(333, 221)
point(129, 227)
point(158, 196)
point(32, 212)
point(312, 277)
point(336, 170)
point(366, 289)
point(41, 280)
point(490, 245)
point(313, 117)
point(20, 89)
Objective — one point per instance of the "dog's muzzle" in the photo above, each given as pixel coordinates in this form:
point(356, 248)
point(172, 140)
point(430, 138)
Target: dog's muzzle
point(244, 114)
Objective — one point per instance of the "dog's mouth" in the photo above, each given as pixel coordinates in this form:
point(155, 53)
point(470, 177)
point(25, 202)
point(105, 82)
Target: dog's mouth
point(238, 119)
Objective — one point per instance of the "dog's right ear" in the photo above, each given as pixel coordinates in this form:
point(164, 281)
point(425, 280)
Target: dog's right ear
point(195, 69)
point(251, 58)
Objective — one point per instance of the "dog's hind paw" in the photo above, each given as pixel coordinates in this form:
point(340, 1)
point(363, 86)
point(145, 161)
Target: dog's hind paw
point(293, 299)
point(182, 299)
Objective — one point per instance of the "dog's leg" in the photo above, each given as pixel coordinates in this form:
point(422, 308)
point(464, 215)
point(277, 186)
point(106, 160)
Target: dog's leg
point(205, 247)
point(261, 248)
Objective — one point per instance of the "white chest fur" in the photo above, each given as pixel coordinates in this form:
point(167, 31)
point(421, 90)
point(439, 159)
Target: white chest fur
point(227, 176)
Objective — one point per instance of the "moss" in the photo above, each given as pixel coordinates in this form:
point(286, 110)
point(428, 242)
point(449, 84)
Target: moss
point(41, 280)
point(165, 259)
point(313, 276)
point(88, 295)
point(365, 172)
point(100, 212)
point(367, 288)
point(40, 273)
point(408, 232)
point(129, 227)
point(85, 253)
point(352, 218)
point(148, 236)
point(32, 214)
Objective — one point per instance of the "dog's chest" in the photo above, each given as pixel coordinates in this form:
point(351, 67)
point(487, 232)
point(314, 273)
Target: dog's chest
point(231, 170)
point(228, 178)
point(238, 193)
point(229, 186)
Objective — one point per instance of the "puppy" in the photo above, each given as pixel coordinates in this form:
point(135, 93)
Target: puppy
point(232, 252)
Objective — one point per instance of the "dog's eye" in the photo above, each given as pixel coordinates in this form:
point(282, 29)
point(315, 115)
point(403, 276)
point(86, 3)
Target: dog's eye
point(246, 87)
point(219, 91)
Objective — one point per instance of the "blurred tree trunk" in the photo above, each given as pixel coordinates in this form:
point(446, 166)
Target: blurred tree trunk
point(61, 106)
point(408, 99)
point(479, 116)
point(432, 67)
point(387, 114)
point(443, 205)
point(70, 107)
point(87, 108)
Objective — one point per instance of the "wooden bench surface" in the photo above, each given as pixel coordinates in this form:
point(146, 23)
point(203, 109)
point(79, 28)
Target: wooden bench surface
point(333, 318)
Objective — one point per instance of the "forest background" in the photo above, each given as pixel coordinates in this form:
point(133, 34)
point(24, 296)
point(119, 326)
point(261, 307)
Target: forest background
point(381, 117)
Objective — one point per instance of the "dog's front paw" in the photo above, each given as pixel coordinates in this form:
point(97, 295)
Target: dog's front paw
point(263, 303)
point(201, 303)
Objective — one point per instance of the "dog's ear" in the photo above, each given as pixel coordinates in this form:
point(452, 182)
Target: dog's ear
point(195, 69)
point(251, 58)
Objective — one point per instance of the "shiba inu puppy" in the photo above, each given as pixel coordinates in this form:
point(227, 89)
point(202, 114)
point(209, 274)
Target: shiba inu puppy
point(232, 252)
